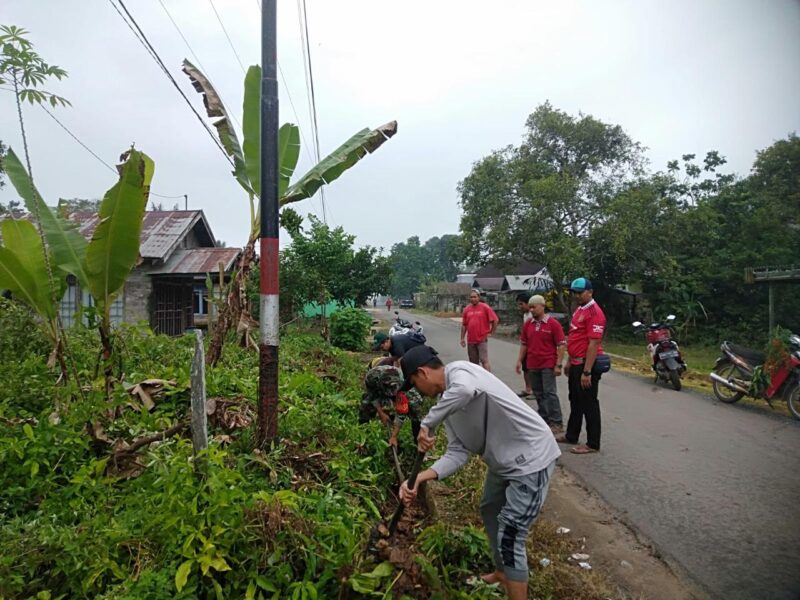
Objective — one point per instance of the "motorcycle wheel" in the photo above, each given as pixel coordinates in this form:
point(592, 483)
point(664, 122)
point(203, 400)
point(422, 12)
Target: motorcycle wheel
point(724, 394)
point(675, 379)
point(794, 401)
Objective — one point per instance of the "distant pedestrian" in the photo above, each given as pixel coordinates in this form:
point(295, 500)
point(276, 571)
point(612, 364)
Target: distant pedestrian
point(478, 322)
point(542, 345)
point(583, 345)
point(374, 301)
point(389, 303)
point(525, 309)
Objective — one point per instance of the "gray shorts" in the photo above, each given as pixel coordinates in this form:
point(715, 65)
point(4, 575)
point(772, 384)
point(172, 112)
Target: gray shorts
point(478, 353)
point(509, 507)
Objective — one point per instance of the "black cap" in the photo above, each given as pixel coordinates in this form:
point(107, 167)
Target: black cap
point(417, 357)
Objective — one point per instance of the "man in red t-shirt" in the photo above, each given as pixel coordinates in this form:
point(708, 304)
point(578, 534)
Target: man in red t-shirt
point(478, 322)
point(541, 351)
point(583, 345)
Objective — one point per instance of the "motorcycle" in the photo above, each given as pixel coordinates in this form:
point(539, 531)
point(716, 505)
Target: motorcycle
point(740, 372)
point(667, 361)
point(401, 325)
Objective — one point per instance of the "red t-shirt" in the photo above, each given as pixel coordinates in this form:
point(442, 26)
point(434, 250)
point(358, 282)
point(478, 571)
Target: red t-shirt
point(542, 338)
point(477, 319)
point(588, 323)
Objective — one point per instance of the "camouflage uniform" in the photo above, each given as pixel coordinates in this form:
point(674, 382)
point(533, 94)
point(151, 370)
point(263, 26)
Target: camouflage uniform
point(383, 390)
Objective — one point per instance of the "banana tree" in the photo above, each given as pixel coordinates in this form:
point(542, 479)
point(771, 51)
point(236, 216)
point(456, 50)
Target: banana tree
point(246, 159)
point(100, 266)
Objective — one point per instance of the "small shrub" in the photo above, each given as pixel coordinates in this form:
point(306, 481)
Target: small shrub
point(349, 328)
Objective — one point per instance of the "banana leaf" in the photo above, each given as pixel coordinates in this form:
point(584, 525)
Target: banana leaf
point(337, 162)
point(251, 127)
point(21, 238)
point(114, 248)
point(225, 130)
point(16, 278)
point(66, 244)
point(288, 153)
point(288, 137)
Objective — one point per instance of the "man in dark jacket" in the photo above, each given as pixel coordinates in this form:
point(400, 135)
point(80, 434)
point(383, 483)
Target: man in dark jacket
point(396, 345)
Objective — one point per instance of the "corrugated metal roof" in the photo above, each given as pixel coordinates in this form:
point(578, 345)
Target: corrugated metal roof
point(162, 231)
point(490, 283)
point(197, 261)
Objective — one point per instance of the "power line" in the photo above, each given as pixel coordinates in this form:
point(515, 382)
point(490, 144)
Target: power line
point(196, 58)
point(225, 31)
point(94, 154)
point(75, 137)
point(151, 50)
point(312, 96)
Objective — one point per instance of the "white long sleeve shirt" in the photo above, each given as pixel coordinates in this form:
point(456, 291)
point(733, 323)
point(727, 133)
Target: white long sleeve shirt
point(483, 416)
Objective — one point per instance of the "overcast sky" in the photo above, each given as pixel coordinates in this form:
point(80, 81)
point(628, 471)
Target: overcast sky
point(460, 77)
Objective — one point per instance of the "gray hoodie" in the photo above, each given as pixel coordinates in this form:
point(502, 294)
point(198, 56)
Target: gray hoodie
point(482, 415)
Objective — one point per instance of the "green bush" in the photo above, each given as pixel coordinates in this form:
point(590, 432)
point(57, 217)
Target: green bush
point(349, 328)
point(287, 523)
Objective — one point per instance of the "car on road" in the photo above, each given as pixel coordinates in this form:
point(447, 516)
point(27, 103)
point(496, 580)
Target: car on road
point(407, 303)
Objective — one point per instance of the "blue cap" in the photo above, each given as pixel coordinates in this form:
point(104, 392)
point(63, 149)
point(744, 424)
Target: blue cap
point(580, 284)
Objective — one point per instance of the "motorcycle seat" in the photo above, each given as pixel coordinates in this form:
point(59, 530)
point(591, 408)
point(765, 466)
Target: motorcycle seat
point(753, 357)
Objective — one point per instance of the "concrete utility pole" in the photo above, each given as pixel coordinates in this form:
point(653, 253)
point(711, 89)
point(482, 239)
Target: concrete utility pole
point(268, 346)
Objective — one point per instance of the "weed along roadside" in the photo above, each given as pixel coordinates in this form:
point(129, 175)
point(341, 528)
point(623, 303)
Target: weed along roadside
point(289, 522)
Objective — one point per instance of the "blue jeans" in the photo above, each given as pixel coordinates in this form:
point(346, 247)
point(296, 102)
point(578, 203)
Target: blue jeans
point(543, 384)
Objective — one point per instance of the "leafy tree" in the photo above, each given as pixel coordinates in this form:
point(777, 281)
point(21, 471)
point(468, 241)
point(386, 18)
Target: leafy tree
point(411, 262)
point(541, 200)
point(322, 265)
point(415, 264)
point(446, 253)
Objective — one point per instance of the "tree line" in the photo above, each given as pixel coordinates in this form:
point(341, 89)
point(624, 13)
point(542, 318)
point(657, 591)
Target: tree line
point(576, 195)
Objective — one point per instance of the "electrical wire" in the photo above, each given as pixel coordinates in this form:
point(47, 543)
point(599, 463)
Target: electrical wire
point(94, 154)
point(196, 58)
point(151, 50)
point(304, 36)
point(225, 31)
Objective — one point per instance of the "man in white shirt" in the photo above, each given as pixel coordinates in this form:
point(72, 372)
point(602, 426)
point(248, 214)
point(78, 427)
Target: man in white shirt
point(483, 416)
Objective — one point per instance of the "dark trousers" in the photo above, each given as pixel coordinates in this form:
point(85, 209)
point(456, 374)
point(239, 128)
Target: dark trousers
point(583, 403)
point(543, 384)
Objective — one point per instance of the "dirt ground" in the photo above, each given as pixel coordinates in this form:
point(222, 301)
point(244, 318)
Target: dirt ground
point(628, 560)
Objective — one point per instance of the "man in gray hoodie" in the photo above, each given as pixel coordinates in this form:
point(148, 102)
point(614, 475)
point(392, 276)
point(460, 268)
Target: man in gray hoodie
point(483, 416)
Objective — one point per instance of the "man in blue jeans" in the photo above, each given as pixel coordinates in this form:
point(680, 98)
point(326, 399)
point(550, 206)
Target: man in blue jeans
point(542, 345)
point(482, 415)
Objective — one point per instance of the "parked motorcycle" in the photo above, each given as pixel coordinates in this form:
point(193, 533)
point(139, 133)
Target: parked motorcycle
point(401, 325)
point(667, 361)
point(734, 373)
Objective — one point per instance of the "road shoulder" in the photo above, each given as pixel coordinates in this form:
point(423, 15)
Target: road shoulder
point(628, 559)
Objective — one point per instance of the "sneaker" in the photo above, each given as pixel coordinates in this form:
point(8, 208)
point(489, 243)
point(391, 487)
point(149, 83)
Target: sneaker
point(523, 394)
point(556, 428)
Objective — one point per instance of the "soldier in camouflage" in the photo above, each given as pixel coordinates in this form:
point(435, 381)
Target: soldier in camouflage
point(383, 393)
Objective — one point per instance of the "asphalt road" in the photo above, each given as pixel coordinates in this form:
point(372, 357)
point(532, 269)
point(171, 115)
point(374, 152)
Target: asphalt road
point(715, 487)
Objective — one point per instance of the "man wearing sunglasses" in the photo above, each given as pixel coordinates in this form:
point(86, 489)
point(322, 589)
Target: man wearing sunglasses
point(583, 346)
